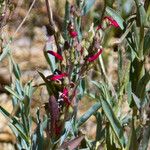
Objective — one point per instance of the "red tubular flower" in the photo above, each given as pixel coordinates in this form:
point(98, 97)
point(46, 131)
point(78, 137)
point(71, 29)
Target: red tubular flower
point(73, 34)
point(94, 57)
point(99, 27)
point(58, 77)
point(65, 91)
point(65, 96)
point(112, 21)
point(55, 54)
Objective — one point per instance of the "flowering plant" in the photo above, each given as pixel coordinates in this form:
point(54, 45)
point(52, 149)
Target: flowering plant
point(75, 57)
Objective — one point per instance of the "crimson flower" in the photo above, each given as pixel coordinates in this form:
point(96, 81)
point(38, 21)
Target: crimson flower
point(73, 34)
point(58, 77)
point(58, 56)
point(94, 57)
point(112, 21)
point(99, 27)
point(65, 96)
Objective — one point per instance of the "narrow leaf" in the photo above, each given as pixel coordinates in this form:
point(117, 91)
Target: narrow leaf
point(11, 91)
point(129, 92)
point(16, 71)
point(137, 101)
point(99, 126)
point(141, 87)
point(14, 123)
point(146, 46)
point(132, 142)
point(46, 81)
point(88, 114)
point(114, 122)
point(141, 14)
point(6, 50)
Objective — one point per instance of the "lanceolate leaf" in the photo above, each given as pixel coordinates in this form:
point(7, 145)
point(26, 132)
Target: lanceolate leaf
point(136, 101)
point(11, 91)
point(46, 82)
point(132, 142)
point(88, 114)
point(6, 50)
point(146, 46)
point(114, 122)
point(141, 87)
point(50, 62)
point(115, 16)
point(14, 124)
point(16, 71)
point(141, 14)
point(99, 126)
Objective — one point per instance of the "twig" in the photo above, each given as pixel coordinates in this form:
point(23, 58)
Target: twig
point(50, 14)
point(27, 14)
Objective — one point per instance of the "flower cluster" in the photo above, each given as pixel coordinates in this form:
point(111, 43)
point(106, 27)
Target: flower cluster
point(70, 70)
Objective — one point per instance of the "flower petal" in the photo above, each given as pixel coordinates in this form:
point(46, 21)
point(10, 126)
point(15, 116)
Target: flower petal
point(65, 91)
point(58, 77)
point(99, 27)
point(55, 54)
point(65, 96)
point(94, 57)
point(112, 21)
point(73, 34)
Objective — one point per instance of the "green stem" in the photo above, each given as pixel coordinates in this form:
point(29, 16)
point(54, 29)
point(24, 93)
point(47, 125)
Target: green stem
point(141, 43)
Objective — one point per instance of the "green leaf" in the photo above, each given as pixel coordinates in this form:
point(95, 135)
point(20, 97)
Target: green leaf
point(18, 88)
point(78, 28)
point(99, 126)
point(15, 123)
point(6, 50)
point(15, 68)
point(16, 71)
point(129, 93)
point(88, 114)
point(146, 46)
point(141, 14)
point(132, 142)
point(50, 61)
point(114, 122)
point(136, 101)
point(110, 139)
point(46, 82)
point(141, 86)
point(87, 6)
point(115, 16)
point(38, 138)
point(126, 119)
point(145, 139)
point(82, 87)
point(11, 91)
point(120, 67)
point(29, 89)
